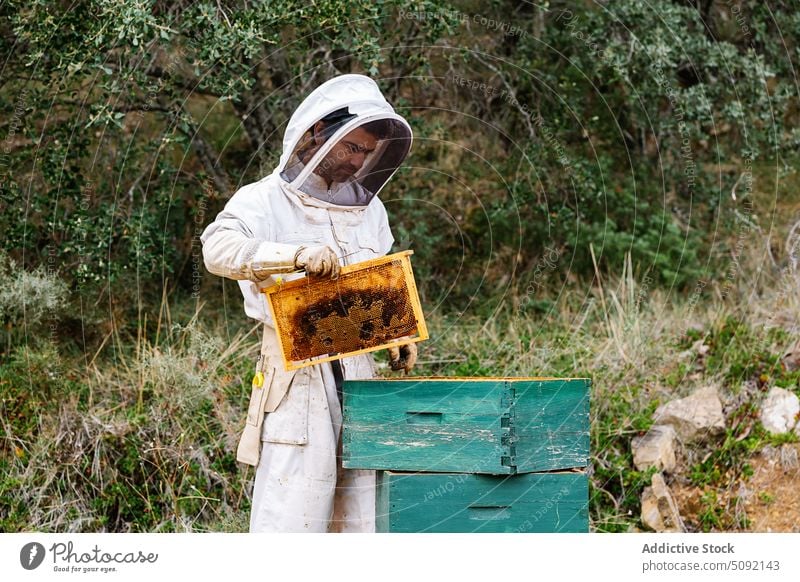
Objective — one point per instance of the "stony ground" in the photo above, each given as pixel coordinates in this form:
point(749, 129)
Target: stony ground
point(769, 499)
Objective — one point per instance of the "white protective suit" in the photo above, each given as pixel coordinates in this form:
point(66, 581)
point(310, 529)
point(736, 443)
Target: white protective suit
point(293, 425)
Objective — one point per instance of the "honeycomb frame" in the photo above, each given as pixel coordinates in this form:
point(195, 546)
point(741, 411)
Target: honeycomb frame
point(319, 319)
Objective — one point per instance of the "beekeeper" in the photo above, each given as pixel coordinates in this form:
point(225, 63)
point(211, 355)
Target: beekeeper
point(318, 210)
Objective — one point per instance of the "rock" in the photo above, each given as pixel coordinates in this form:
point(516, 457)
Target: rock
point(655, 449)
point(695, 326)
point(695, 416)
point(659, 510)
point(779, 411)
point(789, 457)
point(697, 351)
point(791, 359)
point(770, 453)
point(700, 348)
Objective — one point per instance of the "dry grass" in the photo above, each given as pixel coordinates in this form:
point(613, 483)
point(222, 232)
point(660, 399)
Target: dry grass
point(140, 439)
point(141, 435)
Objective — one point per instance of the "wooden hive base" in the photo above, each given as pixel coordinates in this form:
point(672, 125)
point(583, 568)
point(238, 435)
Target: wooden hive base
point(464, 503)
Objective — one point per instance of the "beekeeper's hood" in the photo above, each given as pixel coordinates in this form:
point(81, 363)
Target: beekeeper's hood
point(343, 142)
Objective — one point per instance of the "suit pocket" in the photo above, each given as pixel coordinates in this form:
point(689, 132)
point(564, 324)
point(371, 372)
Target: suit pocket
point(288, 424)
point(258, 394)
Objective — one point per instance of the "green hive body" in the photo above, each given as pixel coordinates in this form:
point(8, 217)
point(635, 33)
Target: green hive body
point(461, 502)
point(501, 426)
point(472, 454)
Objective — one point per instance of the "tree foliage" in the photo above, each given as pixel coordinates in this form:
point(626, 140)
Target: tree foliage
point(617, 126)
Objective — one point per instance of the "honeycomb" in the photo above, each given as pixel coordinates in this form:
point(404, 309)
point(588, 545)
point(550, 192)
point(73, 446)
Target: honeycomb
point(369, 306)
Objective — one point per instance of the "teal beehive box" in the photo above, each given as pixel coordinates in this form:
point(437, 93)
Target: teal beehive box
point(466, 425)
point(466, 503)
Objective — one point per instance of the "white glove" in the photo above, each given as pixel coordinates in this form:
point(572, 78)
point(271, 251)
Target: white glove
point(403, 357)
point(319, 261)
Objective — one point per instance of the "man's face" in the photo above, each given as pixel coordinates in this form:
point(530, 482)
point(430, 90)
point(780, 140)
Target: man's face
point(347, 156)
